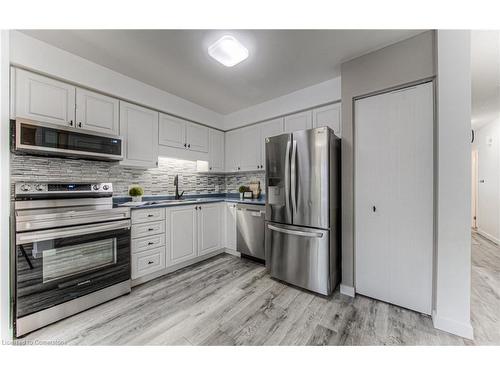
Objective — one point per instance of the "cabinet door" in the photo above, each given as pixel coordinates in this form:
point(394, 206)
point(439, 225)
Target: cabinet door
point(230, 226)
point(96, 112)
point(298, 121)
point(209, 228)
point(249, 148)
point(139, 129)
point(44, 99)
point(181, 234)
point(232, 151)
point(268, 129)
point(328, 115)
point(216, 149)
point(394, 197)
point(172, 131)
point(197, 137)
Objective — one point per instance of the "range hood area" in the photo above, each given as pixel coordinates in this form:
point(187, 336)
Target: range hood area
point(39, 138)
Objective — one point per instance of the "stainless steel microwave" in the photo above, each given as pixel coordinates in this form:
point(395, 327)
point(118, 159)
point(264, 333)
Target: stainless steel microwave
point(33, 137)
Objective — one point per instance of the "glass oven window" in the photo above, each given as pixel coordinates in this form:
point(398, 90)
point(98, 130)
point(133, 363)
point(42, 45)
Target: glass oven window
point(71, 260)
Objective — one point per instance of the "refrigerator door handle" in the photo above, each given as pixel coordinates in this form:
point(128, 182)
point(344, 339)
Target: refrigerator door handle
point(287, 178)
point(296, 232)
point(293, 182)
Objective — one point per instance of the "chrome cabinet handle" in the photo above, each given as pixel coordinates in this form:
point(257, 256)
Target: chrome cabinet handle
point(296, 232)
point(150, 215)
point(150, 262)
point(80, 124)
point(71, 122)
point(150, 243)
point(185, 144)
point(150, 229)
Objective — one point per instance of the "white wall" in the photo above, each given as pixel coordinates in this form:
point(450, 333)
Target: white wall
point(321, 93)
point(39, 56)
point(453, 258)
point(488, 194)
point(4, 187)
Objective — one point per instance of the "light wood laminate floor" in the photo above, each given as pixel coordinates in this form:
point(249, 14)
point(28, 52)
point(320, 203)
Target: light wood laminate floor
point(230, 301)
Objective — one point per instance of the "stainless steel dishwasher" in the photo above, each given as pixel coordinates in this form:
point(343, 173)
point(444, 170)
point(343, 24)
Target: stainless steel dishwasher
point(250, 231)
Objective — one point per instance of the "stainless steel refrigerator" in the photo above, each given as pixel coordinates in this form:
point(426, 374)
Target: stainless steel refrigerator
point(302, 239)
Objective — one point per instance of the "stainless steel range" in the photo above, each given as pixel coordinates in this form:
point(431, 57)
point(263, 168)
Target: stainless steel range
point(72, 251)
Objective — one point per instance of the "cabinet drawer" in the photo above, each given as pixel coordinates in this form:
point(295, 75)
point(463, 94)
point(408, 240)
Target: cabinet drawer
point(148, 229)
point(146, 215)
point(147, 262)
point(147, 243)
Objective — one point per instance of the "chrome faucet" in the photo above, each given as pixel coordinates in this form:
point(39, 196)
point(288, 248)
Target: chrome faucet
point(176, 184)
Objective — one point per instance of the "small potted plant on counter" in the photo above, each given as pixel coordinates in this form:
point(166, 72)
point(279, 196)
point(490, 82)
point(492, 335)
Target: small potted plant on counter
point(242, 191)
point(136, 192)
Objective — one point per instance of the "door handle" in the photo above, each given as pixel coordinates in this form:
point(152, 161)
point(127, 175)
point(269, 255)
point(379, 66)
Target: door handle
point(293, 172)
point(296, 232)
point(287, 177)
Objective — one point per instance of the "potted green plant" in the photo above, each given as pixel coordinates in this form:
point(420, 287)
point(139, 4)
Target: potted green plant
point(242, 190)
point(136, 192)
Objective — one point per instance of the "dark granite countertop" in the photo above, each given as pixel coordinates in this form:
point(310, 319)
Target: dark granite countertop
point(187, 200)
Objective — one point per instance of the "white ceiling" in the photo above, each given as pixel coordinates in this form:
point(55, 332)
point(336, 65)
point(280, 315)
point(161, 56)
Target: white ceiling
point(280, 61)
point(485, 72)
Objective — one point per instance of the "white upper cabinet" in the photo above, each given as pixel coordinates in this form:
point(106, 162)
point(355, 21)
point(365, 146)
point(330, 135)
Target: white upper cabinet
point(44, 99)
point(298, 121)
point(179, 133)
point(96, 112)
point(328, 115)
point(139, 129)
point(249, 148)
point(232, 155)
point(172, 131)
point(196, 137)
point(268, 129)
point(216, 150)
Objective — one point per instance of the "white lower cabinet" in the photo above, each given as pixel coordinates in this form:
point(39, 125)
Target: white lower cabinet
point(230, 226)
point(181, 233)
point(209, 228)
point(193, 231)
point(148, 242)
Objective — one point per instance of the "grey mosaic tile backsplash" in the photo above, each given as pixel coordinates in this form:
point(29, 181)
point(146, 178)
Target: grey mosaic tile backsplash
point(156, 181)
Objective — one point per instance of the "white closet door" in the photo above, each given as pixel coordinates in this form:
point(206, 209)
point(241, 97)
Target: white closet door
point(394, 197)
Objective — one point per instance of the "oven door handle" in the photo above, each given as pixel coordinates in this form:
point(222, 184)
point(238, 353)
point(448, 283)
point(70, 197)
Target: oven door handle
point(52, 234)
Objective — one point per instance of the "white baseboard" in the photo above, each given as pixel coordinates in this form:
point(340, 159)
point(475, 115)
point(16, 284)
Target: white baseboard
point(461, 329)
point(488, 236)
point(347, 290)
point(233, 252)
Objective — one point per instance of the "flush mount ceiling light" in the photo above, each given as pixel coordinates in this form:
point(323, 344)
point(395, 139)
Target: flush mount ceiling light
point(228, 51)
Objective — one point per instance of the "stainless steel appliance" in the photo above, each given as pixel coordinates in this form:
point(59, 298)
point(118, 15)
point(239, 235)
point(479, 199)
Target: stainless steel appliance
point(33, 137)
point(303, 209)
point(250, 230)
point(72, 251)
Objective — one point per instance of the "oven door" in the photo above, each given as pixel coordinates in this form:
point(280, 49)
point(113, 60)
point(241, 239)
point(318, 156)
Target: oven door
point(58, 265)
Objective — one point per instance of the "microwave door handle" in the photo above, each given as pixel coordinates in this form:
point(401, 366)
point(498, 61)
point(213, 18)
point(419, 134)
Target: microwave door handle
point(293, 181)
point(52, 234)
point(287, 178)
point(30, 265)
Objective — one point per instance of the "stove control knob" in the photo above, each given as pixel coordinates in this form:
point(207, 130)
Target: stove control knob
point(105, 187)
point(25, 187)
point(95, 187)
point(39, 187)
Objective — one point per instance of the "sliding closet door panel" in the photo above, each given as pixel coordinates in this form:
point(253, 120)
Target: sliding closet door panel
point(399, 175)
point(371, 220)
